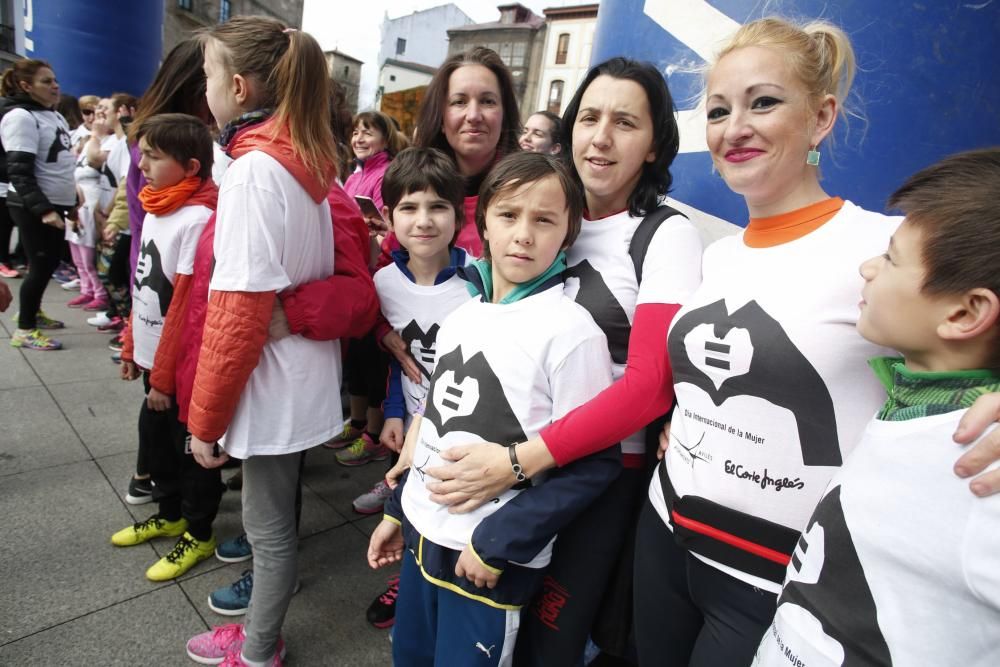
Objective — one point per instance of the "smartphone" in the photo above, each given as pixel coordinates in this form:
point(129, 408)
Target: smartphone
point(369, 209)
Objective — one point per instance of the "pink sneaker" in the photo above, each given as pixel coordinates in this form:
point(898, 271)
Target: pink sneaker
point(97, 304)
point(80, 301)
point(225, 641)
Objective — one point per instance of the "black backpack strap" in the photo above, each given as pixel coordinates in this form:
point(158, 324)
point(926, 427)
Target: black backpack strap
point(643, 236)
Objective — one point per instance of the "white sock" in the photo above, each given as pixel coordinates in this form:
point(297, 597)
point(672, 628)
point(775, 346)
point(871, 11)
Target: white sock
point(252, 663)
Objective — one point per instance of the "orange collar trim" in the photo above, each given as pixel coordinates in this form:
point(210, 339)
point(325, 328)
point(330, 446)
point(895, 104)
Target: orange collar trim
point(778, 229)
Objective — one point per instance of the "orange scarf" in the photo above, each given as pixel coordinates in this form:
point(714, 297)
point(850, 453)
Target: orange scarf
point(168, 200)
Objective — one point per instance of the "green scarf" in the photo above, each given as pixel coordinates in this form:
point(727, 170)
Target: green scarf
point(914, 394)
point(485, 270)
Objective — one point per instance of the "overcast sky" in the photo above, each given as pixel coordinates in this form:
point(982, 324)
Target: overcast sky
point(356, 30)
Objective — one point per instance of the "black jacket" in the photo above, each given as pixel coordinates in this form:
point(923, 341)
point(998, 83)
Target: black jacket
point(18, 167)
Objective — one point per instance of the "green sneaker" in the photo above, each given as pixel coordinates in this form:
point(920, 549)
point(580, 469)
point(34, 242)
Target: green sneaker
point(187, 553)
point(42, 321)
point(33, 339)
point(362, 451)
point(143, 531)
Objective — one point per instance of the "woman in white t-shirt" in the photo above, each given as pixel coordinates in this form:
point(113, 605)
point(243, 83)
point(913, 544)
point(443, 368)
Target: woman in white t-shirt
point(769, 371)
point(260, 400)
point(42, 194)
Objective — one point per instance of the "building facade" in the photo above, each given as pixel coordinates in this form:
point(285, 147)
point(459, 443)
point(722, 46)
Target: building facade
point(566, 57)
point(182, 17)
point(518, 37)
point(11, 26)
point(398, 75)
point(346, 70)
point(420, 37)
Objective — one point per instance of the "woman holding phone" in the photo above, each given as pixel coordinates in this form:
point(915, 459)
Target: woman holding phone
point(374, 141)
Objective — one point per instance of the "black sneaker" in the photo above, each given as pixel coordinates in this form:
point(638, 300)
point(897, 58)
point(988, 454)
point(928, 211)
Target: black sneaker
point(140, 491)
point(235, 483)
point(382, 611)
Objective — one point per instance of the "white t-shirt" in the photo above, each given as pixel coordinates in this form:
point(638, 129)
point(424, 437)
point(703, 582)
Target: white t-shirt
point(270, 235)
point(44, 134)
point(770, 373)
point(416, 312)
point(601, 278)
point(167, 248)
point(119, 158)
point(898, 564)
point(81, 133)
point(549, 358)
point(98, 185)
point(84, 233)
point(220, 162)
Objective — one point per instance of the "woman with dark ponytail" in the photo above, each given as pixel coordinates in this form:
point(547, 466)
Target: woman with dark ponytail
point(42, 191)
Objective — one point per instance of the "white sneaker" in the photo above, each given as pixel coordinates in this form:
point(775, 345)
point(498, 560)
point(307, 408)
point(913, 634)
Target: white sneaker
point(71, 285)
point(372, 502)
point(99, 320)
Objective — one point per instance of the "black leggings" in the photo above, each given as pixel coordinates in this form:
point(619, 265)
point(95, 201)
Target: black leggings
point(43, 246)
point(582, 593)
point(366, 369)
point(180, 485)
point(6, 227)
point(688, 612)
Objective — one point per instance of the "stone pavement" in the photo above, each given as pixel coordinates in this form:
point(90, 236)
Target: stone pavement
point(68, 597)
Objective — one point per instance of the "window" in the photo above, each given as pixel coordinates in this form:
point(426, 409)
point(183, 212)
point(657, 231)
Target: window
point(225, 7)
point(555, 96)
point(400, 46)
point(392, 77)
point(185, 4)
point(346, 71)
point(505, 51)
point(508, 16)
point(562, 49)
point(517, 60)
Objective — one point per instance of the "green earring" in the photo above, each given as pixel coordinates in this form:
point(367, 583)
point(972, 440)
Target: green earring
point(812, 157)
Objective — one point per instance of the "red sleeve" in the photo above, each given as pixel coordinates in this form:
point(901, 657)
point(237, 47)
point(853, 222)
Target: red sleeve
point(382, 328)
point(128, 343)
point(165, 362)
point(235, 334)
point(389, 244)
point(343, 305)
point(644, 393)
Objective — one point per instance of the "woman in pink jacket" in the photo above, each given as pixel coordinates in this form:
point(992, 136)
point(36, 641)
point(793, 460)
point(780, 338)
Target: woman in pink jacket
point(375, 141)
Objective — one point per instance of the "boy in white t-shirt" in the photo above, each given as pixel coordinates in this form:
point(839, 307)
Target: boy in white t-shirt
point(423, 204)
point(897, 565)
point(179, 198)
point(508, 362)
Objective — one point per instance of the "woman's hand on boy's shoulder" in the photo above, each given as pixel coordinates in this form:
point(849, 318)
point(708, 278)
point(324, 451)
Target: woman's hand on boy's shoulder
point(984, 413)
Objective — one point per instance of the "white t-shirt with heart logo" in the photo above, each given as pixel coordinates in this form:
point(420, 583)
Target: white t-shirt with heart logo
point(503, 373)
point(771, 376)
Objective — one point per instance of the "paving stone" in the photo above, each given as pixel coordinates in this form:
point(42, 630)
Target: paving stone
point(339, 485)
point(103, 412)
point(150, 630)
point(85, 357)
point(56, 555)
point(34, 433)
point(17, 372)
